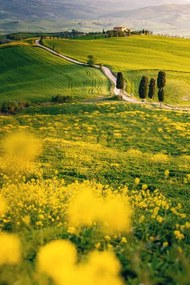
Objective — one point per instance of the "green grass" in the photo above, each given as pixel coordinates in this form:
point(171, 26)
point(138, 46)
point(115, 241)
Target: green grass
point(104, 133)
point(30, 73)
point(110, 143)
point(137, 56)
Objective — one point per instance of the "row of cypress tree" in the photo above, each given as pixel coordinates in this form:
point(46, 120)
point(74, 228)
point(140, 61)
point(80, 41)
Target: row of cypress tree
point(146, 89)
point(149, 90)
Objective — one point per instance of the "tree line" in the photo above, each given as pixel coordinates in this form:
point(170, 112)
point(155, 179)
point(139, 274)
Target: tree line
point(149, 90)
point(146, 88)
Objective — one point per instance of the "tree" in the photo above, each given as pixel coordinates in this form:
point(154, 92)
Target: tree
point(143, 87)
point(161, 96)
point(151, 90)
point(41, 40)
point(120, 81)
point(161, 79)
point(91, 60)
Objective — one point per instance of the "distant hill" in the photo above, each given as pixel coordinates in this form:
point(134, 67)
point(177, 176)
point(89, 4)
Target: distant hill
point(86, 15)
point(172, 19)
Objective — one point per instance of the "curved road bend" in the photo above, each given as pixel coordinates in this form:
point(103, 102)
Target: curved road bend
point(105, 70)
point(112, 78)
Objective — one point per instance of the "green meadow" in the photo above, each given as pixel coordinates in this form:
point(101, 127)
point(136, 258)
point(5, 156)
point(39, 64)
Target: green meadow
point(32, 74)
point(111, 143)
point(120, 149)
point(136, 56)
point(132, 160)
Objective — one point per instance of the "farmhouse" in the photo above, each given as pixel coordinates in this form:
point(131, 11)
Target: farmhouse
point(121, 29)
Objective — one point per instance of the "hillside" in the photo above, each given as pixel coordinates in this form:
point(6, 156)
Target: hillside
point(29, 73)
point(60, 15)
point(171, 19)
point(137, 56)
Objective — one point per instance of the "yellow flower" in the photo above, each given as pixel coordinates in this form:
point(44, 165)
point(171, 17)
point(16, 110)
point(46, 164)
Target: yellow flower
point(10, 249)
point(41, 217)
point(142, 218)
point(165, 244)
point(159, 219)
point(83, 208)
point(56, 257)
point(103, 268)
point(166, 173)
point(187, 225)
point(23, 145)
point(178, 235)
point(98, 245)
point(86, 208)
point(137, 180)
point(71, 230)
point(26, 219)
point(123, 240)
point(58, 260)
point(3, 206)
point(144, 186)
point(110, 246)
point(39, 223)
point(107, 238)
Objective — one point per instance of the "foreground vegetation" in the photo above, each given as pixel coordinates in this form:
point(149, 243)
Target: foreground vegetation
point(137, 56)
point(111, 178)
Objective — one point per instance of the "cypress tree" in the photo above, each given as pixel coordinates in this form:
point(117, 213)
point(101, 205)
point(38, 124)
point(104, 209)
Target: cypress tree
point(161, 79)
point(151, 90)
point(143, 87)
point(161, 96)
point(120, 81)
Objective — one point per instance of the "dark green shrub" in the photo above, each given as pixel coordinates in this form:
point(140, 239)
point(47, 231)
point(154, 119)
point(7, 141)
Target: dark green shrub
point(61, 99)
point(12, 107)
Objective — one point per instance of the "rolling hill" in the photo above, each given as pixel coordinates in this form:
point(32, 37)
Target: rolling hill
point(172, 19)
point(45, 15)
point(137, 56)
point(30, 74)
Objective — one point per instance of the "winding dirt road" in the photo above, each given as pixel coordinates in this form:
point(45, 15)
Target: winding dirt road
point(108, 73)
point(104, 69)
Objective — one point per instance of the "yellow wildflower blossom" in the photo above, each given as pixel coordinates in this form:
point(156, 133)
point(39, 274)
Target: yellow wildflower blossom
point(10, 249)
point(179, 235)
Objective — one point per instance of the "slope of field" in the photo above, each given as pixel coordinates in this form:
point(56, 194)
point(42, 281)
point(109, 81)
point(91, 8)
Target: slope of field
point(29, 73)
point(135, 140)
point(119, 151)
point(137, 56)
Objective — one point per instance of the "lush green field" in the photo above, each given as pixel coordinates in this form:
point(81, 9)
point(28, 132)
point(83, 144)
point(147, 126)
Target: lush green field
point(126, 152)
point(32, 74)
point(137, 56)
point(108, 180)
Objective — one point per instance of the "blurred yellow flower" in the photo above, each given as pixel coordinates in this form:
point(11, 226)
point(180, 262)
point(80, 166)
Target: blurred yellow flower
point(3, 206)
point(113, 212)
point(58, 260)
point(10, 249)
point(55, 257)
point(22, 145)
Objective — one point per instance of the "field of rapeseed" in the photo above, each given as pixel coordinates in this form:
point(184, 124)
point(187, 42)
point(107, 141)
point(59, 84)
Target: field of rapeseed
point(94, 193)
